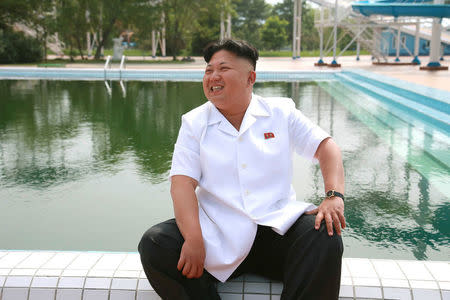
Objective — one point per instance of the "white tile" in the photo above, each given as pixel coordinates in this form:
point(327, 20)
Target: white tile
point(22, 272)
point(95, 295)
point(15, 294)
point(71, 282)
point(3, 253)
point(257, 287)
point(444, 285)
point(68, 294)
point(12, 259)
point(124, 284)
point(422, 284)
point(144, 285)
point(346, 280)
point(97, 283)
point(2, 280)
point(256, 297)
point(388, 269)
point(47, 282)
point(131, 263)
point(226, 296)
point(5, 272)
point(110, 261)
point(230, 287)
point(100, 273)
point(85, 261)
point(361, 267)
point(399, 283)
point(346, 291)
point(277, 288)
point(74, 273)
point(48, 272)
point(439, 270)
point(60, 260)
point(415, 270)
point(275, 297)
point(344, 271)
point(445, 295)
point(423, 294)
point(18, 281)
point(397, 293)
point(359, 281)
point(255, 278)
point(368, 292)
point(36, 260)
point(122, 295)
point(147, 295)
point(142, 275)
point(42, 294)
point(127, 274)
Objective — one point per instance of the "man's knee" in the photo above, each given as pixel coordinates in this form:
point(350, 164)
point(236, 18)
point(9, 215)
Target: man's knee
point(332, 245)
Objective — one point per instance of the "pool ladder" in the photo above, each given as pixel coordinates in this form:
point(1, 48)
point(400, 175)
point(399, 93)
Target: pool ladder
point(121, 67)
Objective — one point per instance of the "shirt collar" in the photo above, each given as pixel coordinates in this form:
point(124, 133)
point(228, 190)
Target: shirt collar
point(255, 108)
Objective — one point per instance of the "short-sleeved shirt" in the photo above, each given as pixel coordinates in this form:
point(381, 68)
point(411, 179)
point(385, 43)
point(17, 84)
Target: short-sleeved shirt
point(244, 177)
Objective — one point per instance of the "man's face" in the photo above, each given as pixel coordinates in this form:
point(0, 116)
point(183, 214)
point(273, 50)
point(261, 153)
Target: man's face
point(228, 78)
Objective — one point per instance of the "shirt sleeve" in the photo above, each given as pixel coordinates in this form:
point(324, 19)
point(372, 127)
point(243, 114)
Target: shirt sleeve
point(305, 135)
point(186, 154)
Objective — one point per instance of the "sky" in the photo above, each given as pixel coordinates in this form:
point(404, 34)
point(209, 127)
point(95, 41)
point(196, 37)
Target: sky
point(273, 1)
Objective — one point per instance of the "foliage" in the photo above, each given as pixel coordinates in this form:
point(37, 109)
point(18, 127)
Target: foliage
point(17, 48)
point(274, 33)
point(249, 20)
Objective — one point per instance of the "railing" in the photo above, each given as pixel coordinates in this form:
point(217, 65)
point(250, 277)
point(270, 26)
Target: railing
point(107, 63)
point(122, 65)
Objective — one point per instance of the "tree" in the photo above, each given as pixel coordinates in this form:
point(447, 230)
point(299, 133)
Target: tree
point(250, 17)
point(274, 33)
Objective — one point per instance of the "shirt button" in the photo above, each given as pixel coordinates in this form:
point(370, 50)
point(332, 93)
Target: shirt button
point(244, 166)
point(247, 192)
point(240, 139)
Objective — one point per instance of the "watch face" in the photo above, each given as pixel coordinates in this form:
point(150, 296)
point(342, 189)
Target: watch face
point(329, 193)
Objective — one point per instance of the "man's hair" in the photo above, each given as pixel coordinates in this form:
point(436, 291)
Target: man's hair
point(239, 47)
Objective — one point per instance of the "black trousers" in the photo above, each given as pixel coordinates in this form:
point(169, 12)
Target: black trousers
point(307, 261)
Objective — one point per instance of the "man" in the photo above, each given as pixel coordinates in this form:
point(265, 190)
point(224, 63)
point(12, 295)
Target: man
point(235, 208)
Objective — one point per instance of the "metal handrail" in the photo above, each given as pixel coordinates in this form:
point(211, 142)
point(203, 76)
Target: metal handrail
point(122, 64)
point(108, 60)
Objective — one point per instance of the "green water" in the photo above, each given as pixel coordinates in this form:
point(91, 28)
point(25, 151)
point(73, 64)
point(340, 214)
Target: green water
point(83, 170)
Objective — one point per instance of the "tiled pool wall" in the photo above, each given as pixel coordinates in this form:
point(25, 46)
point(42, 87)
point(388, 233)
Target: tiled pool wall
point(45, 275)
point(48, 275)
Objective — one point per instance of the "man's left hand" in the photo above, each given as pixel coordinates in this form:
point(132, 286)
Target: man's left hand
point(332, 211)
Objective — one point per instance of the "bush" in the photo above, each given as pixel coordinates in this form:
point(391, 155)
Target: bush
point(18, 48)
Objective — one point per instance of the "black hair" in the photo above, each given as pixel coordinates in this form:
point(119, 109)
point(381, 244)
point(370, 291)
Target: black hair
point(239, 47)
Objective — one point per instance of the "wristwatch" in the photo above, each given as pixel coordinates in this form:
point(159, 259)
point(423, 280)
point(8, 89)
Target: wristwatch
point(333, 193)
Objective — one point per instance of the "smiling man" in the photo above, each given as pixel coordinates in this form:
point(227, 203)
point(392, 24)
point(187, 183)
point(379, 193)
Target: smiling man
point(235, 209)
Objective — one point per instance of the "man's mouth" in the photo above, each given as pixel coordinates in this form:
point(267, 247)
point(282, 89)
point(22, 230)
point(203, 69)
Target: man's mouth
point(216, 88)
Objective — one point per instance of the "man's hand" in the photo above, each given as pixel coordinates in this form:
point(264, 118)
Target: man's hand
point(192, 258)
point(332, 210)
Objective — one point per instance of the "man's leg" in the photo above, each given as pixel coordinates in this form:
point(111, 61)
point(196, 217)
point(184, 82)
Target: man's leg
point(160, 249)
point(306, 260)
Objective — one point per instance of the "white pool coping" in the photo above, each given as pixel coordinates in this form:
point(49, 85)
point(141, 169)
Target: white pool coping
point(61, 275)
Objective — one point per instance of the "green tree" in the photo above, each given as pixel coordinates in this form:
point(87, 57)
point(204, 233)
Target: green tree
point(250, 17)
point(274, 33)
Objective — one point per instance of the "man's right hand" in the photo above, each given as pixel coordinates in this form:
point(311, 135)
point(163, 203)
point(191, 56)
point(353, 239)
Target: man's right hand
point(192, 258)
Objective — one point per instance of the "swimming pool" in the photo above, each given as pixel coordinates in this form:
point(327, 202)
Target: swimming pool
point(84, 170)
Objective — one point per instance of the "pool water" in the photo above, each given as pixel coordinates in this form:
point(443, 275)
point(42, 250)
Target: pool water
point(81, 169)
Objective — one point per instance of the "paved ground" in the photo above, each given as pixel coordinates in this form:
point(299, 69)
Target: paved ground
point(435, 79)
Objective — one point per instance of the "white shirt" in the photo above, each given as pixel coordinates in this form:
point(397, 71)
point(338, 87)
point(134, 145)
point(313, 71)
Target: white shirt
point(244, 177)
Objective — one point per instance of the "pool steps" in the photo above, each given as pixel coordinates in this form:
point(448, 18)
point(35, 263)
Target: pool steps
point(63, 275)
point(433, 111)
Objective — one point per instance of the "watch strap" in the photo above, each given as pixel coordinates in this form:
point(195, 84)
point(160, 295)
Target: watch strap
point(333, 193)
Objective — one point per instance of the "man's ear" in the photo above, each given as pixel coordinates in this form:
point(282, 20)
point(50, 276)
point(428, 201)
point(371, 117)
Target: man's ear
point(251, 78)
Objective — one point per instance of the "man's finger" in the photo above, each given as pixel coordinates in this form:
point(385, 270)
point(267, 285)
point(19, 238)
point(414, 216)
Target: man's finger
point(337, 224)
point(342, 220)
point(312, 212)
point(187, 268)
point(329, 222)
point(319, 219)
point(181, 262)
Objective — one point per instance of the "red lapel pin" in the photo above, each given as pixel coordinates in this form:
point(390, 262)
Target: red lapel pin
point(269, 135)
